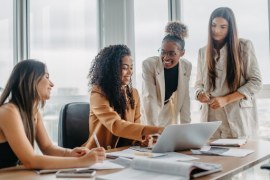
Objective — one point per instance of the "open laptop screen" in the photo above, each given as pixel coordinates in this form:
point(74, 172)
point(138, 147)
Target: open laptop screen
point(185, 136)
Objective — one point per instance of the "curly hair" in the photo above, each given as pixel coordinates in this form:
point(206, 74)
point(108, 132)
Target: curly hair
point(106, 71)
point(176, 32)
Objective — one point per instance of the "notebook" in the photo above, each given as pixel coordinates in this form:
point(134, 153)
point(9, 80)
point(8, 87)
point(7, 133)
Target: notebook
point(185, 136)
point(142, 168)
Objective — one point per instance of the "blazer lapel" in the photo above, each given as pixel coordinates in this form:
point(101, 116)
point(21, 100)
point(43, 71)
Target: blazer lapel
point(180, 92)
point(160, 82)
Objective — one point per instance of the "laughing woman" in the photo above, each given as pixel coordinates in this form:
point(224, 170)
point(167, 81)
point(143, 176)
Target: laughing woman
point(114, 103)
point(165, 92)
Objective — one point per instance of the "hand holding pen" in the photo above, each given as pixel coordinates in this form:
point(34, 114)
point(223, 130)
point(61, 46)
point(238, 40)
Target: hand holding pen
point(99, 151)
point(96, 139)
point(87, 156)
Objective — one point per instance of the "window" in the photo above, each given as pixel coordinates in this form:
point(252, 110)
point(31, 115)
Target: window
point(252, 23)
point(248, 27)
point(151, 16)
point(63, 35)
point(6, 41)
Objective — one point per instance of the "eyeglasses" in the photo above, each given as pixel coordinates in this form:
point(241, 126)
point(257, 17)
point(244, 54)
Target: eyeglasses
point(170, 54)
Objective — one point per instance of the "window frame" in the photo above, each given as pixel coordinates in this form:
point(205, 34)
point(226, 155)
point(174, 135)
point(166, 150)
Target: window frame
point(176, 14)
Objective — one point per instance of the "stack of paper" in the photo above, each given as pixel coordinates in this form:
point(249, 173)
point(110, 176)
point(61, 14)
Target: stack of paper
point(222, 151)
point(229, 142)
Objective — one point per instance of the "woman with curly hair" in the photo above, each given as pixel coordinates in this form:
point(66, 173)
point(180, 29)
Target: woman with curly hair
point(165, 88)
point(114, 103)
point(228, 77)
point(21, 124)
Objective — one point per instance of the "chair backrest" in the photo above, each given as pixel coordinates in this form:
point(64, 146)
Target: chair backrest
point(73, 129)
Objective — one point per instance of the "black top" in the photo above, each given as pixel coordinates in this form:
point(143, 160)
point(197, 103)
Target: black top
point(7, 156)
point(171, 81)
point(124, 142)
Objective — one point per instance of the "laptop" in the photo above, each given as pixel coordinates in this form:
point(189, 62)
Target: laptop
point(185, 136)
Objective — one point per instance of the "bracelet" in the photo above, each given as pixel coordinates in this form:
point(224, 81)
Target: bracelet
point(198, 93)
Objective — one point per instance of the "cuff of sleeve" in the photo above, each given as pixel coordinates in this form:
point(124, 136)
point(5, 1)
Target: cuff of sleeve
point(197, 92)
point(147, 130)
point(245, 92)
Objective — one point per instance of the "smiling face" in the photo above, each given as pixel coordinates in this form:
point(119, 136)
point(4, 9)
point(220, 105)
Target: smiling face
point(127, 70)
point(219, 29)
point(170, 54)
point(44, 86)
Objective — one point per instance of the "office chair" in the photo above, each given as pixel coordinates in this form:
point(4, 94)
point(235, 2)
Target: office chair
point(73, 129)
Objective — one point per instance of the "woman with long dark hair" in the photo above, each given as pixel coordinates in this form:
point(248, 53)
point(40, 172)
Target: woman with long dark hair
point(21, 124)
point(228, 77)
point(114, 103)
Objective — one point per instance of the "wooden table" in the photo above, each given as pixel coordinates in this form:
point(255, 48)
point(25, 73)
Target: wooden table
point(234, 165)
point(231, 165)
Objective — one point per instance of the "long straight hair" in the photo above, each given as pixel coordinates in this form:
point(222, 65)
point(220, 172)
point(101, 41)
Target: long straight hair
point(21, 91)
point(234, 64)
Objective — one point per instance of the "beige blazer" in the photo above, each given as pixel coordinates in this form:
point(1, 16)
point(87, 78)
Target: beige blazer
point(108, 125)
point(242, 114)
point(153, 93)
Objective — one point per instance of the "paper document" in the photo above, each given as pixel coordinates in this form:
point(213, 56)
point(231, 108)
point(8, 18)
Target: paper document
point(228, 142)
point(126, 162)
point(141, 149)
point(105, 165)
point(175, 156)
point(98, 166)
point(131, 153)
point(146, 153)
point(152, 168)
point(223, 151)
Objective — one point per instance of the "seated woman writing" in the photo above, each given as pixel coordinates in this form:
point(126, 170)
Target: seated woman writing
point(114, 103)
point(21, 124)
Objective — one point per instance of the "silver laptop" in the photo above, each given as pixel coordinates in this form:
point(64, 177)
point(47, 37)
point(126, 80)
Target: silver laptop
point(185, 136)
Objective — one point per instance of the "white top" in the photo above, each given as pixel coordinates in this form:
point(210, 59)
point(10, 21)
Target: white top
point(241, 115)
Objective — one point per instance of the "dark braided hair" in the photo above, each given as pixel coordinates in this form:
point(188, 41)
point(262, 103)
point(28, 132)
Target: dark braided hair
point(106, 71)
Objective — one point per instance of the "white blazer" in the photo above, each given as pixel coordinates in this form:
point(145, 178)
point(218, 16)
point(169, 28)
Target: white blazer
point(153, 93)
point(242, 114)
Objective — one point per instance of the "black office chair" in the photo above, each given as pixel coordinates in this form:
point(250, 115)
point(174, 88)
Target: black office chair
point(73, 129)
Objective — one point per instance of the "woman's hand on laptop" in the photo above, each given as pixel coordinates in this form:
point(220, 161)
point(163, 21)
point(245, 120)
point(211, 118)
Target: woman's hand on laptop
point(150, 140)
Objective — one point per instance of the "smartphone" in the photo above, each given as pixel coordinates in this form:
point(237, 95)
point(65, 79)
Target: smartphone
point(75, 173)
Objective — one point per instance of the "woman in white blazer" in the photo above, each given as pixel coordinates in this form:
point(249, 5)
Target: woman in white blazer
point(228, 77)
point(165, 87)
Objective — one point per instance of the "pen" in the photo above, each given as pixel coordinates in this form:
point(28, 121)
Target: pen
point(227, 145)
point(96, 139)
point(148, 154)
